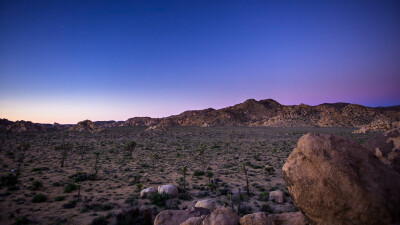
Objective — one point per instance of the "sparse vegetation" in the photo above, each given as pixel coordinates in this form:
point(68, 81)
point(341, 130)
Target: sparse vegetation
point(212, 154)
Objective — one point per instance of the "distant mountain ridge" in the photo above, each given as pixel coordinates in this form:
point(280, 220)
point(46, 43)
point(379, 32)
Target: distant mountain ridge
point(267, 112)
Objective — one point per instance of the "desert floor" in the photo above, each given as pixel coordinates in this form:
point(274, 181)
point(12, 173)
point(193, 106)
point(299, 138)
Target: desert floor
point(208, 154)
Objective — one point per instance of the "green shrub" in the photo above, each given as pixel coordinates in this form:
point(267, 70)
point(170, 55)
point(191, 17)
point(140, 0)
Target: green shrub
point(8, 180)
point(134, 216)
point(36, 185)
point(198, 173)
point(158, 199)
point(71, 204)
point(23, 220)
point(39, 198)
point(39, 169)
point(59, 198)
point(101, 220)
point(82, 176)
point(70, 187)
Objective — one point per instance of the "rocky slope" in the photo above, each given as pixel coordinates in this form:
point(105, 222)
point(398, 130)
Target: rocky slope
point(270, 113)
point(21, 126)
point(85, 125)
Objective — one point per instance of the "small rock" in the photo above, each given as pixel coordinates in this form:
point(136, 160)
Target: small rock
point(222, 216)
point(259, 218)
point(147, 191)
point(277, 196)
point(207, 204)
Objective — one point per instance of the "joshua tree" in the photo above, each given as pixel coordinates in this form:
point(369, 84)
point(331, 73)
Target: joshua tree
point(183, 178)
point(269, 170)
point(154, 158)
point(130, 147)
point(201, 153)
point(242, 168)
point(82, 149)
point(22, 149)
point(96, 169)
point(64, 147)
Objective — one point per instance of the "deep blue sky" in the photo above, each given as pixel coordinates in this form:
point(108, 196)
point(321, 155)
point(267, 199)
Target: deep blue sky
point(66, 61)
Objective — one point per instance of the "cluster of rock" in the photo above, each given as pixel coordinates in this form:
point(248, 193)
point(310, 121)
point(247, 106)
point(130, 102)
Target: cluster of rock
point(333, 180)
point(206, 213)
point(168, 189)
point(85, 125)
point(380, 125)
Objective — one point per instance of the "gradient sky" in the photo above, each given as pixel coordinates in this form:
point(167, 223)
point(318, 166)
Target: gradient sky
point(66, 61)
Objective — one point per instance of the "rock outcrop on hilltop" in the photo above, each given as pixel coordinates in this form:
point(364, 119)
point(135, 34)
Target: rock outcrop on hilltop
point(332, 180)
point(270, 113)
point(21, 126)
point(141, 122)
point(109, 123)
point(85, 125)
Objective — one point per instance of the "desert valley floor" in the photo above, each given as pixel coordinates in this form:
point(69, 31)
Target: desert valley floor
point(47, 193)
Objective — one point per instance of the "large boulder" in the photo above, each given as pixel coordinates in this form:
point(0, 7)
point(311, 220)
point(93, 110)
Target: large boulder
point(169, 189)
point(288, 218)
point(386, 147)
point(172, 217)
point(194, 221)
point(336, 181)
point(207, 204)
point(277, 196)
point(260, 218)
point(222, 216)
point(147, 192)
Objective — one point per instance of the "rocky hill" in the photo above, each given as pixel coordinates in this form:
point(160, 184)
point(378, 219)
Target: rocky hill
point(271, 113)
point(21, 126)
point(266, 112)
point(85, 125)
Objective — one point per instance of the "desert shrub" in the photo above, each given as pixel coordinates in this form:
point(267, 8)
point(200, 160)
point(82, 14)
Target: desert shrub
point(82, 176)
point(263, 196)
point(107, 206)
point(39, 198)
point(8, 180)
point(139, 187)
point(59, 198)
point(23, 220)
point(158, 199)
point(36, 185)
point(101, 220)
point(71, 204)
point(134, 216)
point(185, 196)
point(70, 187)
point(131, 200)
point(198, 173)
point(266, 208)
point(39, 169)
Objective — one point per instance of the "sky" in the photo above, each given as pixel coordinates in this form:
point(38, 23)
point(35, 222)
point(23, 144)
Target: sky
point(65, 61)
